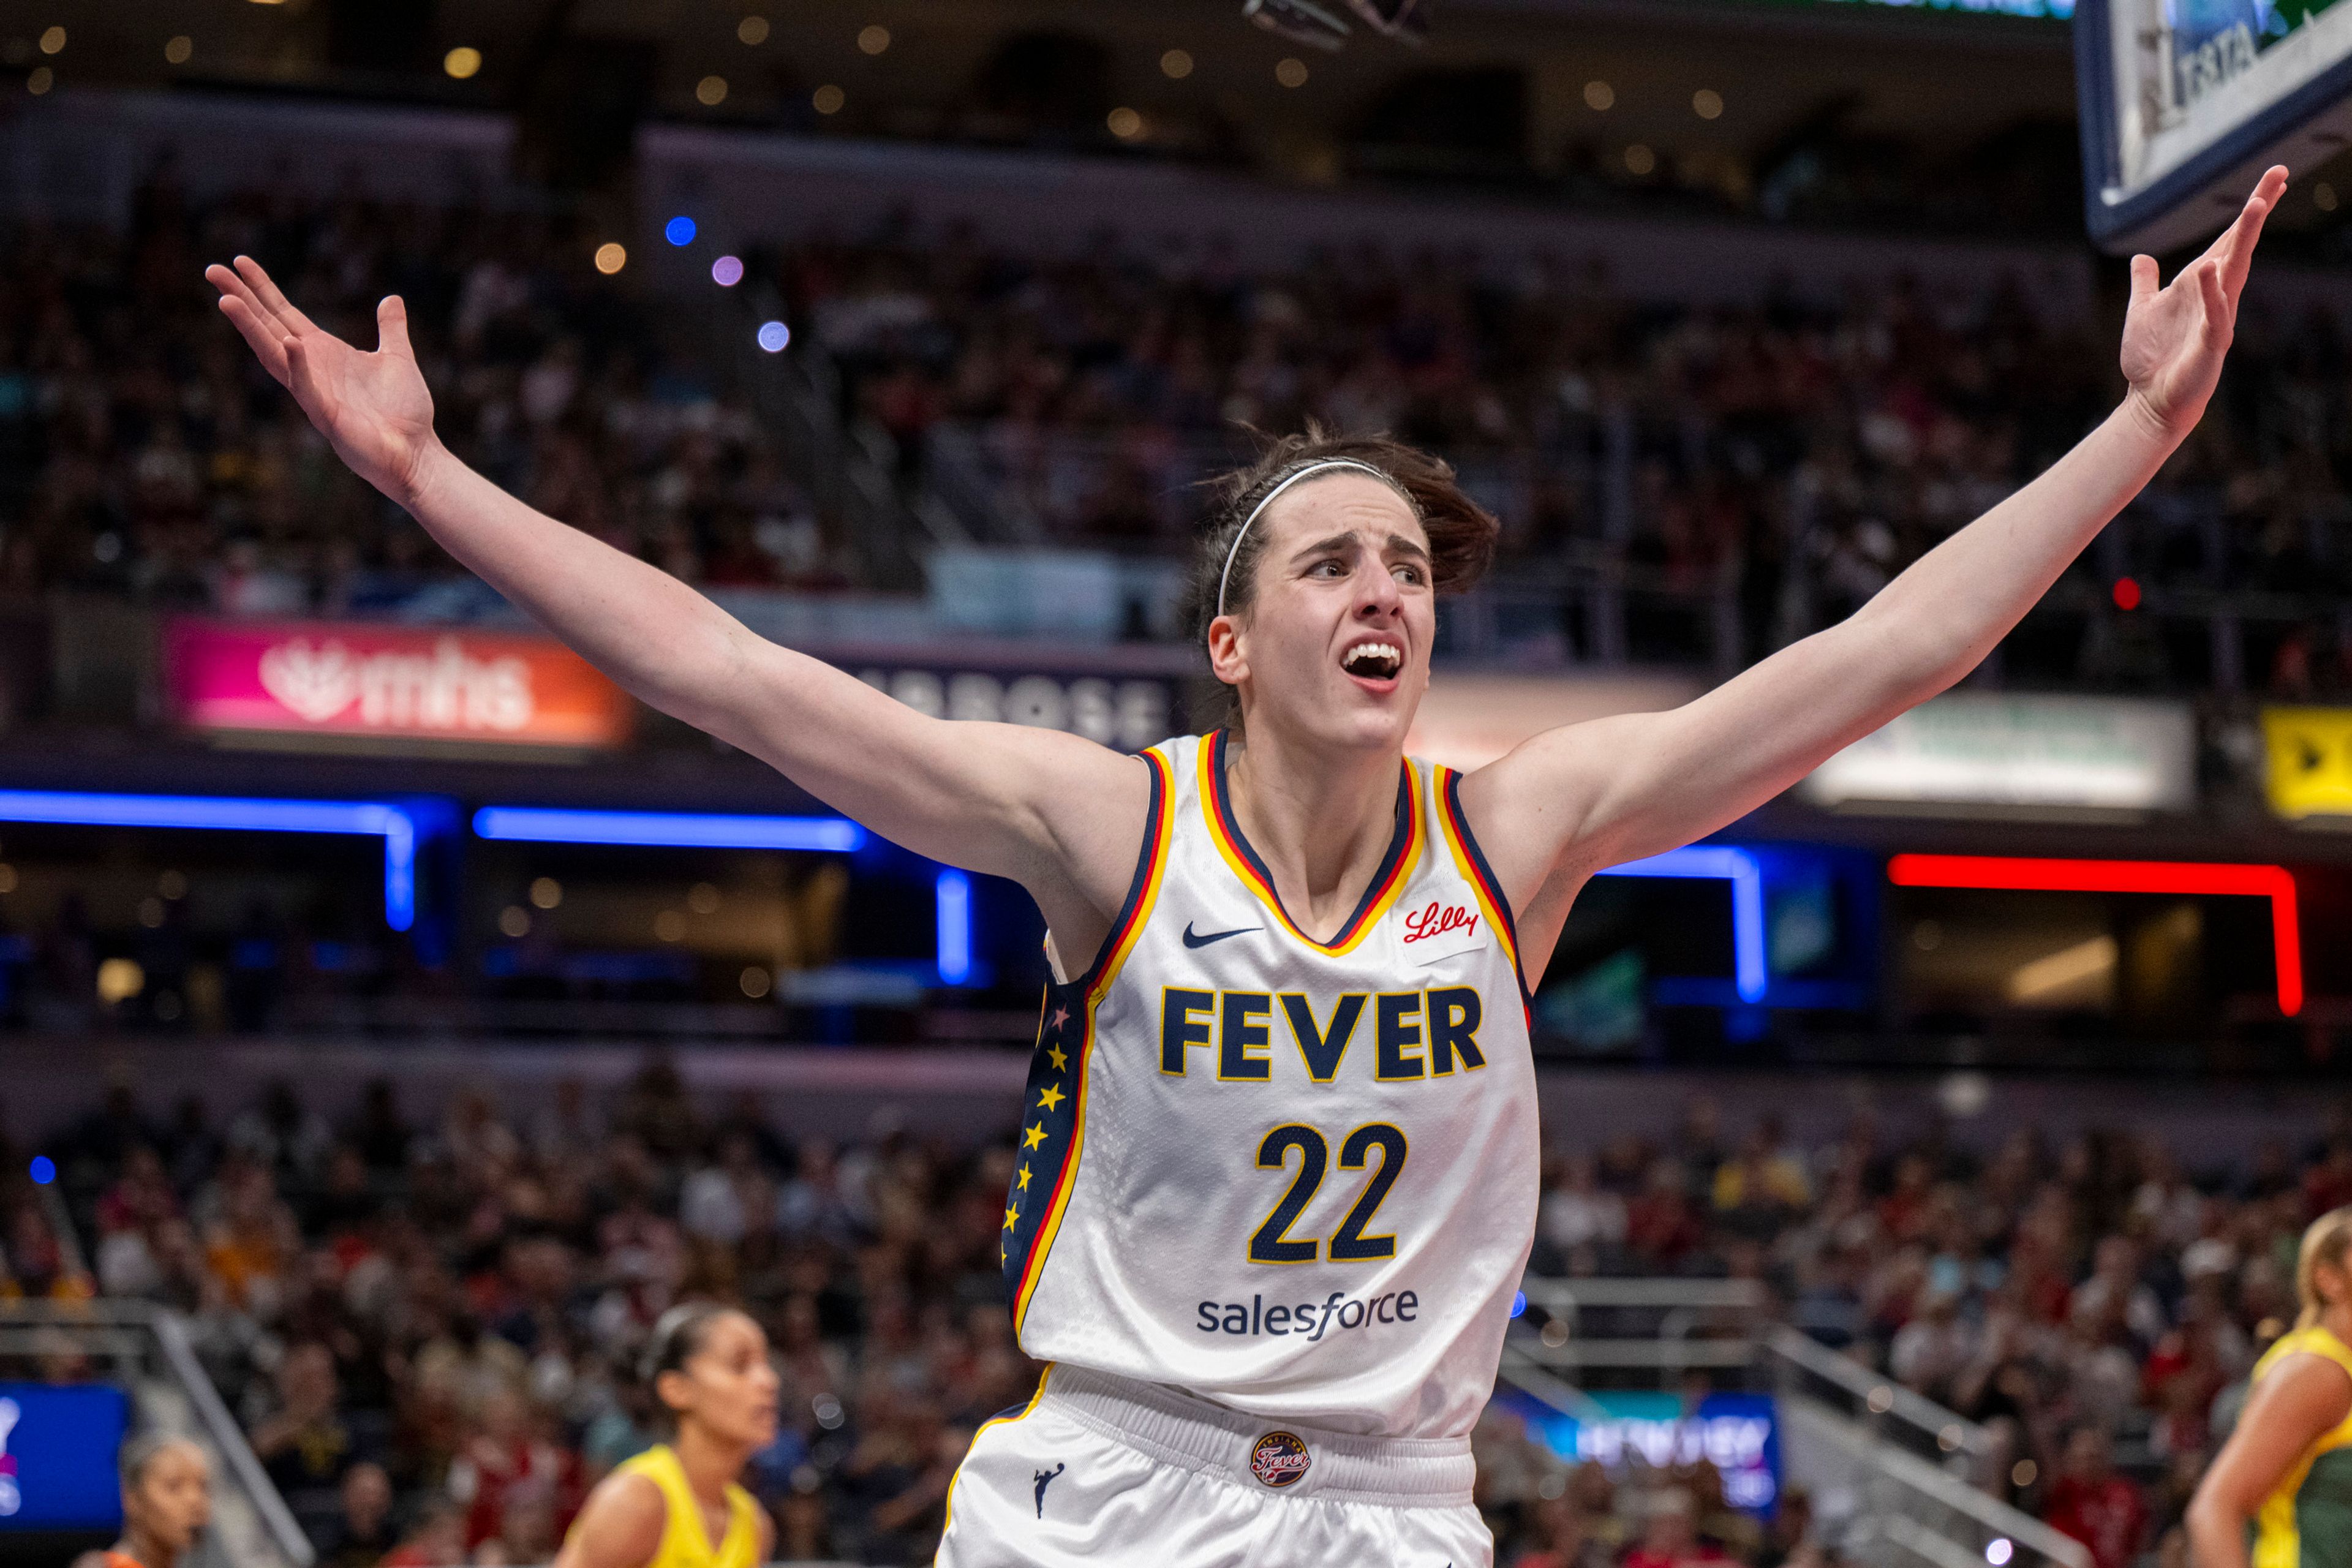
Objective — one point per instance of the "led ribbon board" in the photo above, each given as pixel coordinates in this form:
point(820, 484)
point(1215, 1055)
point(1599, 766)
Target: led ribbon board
point(1721, 862)
point(377, 819)
point(2010, 874)
point(951, 890)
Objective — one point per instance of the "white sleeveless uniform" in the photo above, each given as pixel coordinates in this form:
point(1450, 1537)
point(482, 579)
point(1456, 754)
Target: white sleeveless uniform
point(1274, 1199)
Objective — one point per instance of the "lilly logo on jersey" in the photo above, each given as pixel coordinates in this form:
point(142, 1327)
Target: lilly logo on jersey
point(1437, 919)
point(1280, 1459)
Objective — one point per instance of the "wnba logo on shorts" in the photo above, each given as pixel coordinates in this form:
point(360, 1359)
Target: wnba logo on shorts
point(1279, 1459)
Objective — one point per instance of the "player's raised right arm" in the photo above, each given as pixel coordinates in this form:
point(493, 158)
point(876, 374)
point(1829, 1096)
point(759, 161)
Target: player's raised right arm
point(1054, 812)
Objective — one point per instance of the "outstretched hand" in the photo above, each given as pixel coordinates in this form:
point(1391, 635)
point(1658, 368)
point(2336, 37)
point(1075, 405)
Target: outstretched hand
point(373, 408)
point(2175, 337)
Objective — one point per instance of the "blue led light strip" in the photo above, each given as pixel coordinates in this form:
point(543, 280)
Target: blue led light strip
point(670, 829)
point(373, 819)
point(954, 903)
point(1721, 862)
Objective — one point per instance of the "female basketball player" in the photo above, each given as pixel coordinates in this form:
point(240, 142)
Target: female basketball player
point(1278, 1155)
point(167, 1500)
point(2286, 1469)
point(677, 1505)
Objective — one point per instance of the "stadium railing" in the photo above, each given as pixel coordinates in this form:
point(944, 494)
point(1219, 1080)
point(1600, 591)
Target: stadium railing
point(146, 1351)
point(1904, 1462)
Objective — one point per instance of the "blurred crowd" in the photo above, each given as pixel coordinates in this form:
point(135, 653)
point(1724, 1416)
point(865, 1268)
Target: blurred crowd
point(144, 452)
point(1787, 458)
point(1764, 468)
point(428, 1323)
point(2095, 1306)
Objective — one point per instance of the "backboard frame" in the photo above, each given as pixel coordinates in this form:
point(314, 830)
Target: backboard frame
point(2194, 198)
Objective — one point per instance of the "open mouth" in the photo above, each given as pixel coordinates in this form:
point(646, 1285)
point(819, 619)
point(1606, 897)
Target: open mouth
point(1373, 661)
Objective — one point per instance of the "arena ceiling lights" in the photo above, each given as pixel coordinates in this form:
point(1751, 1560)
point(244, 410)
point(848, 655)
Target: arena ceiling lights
point(395, 824)
point(2010, 874)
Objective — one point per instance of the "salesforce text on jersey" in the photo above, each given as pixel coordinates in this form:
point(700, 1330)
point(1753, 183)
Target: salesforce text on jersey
point(1312, 1318)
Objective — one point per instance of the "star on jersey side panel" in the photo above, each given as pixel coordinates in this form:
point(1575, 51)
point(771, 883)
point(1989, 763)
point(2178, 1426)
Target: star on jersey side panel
point(1047, 1141)
point(1054, 1102)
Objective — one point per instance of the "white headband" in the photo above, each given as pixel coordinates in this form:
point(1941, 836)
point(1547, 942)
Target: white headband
point(1309, 471)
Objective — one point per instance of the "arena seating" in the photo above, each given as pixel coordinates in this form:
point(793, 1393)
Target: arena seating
point(444, 1300)
point(1731, 477)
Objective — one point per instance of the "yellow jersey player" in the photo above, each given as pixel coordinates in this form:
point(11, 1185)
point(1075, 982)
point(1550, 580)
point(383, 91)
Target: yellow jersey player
point(678, 1504)
point(2283, 1480)
point(1278, 1158)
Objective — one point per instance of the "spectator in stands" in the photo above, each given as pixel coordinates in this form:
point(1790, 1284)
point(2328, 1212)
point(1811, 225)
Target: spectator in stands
point(2090, 1501)
point(1670, 1537)
point(363, 1535)
point(305, 1444)
point(438, 1539)
point(167, 1503)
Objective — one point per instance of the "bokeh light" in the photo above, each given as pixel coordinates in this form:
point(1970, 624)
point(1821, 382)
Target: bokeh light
point(752, 30)
point(773, 336)
point(1291, 73)
point(727, 271)
point(45, 1169)
point(680, 230)
point(53, 41)
point(1125, 123)
point(1706, 103)
point(874, 40)
point(1176, 65)
point(178, 50)
point(710, 91)
point(611, 258)
point(828, 100)
point(462, 61)
point(41, 79)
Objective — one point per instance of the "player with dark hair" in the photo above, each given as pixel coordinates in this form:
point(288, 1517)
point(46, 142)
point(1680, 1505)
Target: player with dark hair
point(678, 1504)
point(167, 1501)
point(1277, 1162)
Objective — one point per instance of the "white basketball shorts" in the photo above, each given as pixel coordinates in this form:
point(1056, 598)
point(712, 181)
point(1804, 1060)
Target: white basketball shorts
point(1103, 1471)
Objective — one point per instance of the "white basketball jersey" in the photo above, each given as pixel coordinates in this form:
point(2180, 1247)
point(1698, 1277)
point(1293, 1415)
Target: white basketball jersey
point(1294, 1176)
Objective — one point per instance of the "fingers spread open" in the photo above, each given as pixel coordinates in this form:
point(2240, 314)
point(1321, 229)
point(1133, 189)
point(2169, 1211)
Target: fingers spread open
point(233, 287)
point(270, 295)
point(266, 344)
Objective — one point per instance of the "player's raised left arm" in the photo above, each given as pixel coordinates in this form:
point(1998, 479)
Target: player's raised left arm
point(1586, 797)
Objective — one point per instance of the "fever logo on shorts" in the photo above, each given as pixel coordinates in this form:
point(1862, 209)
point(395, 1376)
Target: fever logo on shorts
point(1279, 1459)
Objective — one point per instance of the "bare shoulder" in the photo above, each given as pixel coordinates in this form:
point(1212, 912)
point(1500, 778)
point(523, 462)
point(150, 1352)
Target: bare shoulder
point(2306, 1384)
point(620, 1525)
point(1528, 808)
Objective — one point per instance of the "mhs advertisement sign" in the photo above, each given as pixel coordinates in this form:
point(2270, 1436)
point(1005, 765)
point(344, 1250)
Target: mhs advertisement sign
point(388, 683)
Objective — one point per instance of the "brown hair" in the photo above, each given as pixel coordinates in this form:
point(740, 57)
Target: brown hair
point(2327, 1240)
point(1461, 533)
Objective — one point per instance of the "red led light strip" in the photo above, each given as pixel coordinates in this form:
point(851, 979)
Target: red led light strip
point(2014, 874)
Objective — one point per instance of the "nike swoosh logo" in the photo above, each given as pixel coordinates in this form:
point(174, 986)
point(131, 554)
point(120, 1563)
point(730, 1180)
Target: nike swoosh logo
point(1192, 941)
